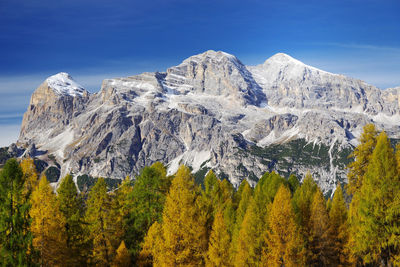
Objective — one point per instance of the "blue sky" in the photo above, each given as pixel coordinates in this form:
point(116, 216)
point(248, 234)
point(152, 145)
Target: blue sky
point(93, 40)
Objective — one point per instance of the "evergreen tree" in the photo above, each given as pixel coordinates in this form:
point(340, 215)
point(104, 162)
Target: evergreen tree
point(184, 240)
point(361, 155)
point(15, 238)
point(71, 207)
point(339, 228)
point(293, 182)
point(101, 225)
point(218, 254)
point(48, 226)
point(146, 202)
point(122, 258)
point(320, 242)
point(284, 246)
point(374, 215)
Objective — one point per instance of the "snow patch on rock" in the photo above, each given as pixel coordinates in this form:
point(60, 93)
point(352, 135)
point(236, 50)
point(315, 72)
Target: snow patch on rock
point(63, 84)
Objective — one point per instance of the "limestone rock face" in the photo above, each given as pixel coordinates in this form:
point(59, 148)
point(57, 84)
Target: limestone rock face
point(53, 105)
point(217, 74)
point(209, 112)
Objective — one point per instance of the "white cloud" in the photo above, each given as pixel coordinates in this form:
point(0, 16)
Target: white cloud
point(360, 46)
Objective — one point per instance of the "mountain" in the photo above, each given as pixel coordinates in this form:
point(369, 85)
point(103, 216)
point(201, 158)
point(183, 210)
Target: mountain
point(209, 112)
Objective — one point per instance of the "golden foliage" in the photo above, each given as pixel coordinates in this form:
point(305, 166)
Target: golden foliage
point(184, 235)
point(320, 244)
point(284, 246)
point(362, 155)
point(122, 258)
point(47, 225)
point(218, 254)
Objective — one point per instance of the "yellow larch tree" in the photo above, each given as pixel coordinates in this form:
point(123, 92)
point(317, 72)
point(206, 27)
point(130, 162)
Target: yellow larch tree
point(184, 234)
point(374, 213)
point(362, 155)
point(47, 226)
point(31, 176)
point(101, 225)
point(121, 207)
point(339, 228)
point(122, 257)
point(320, 244)
point(243, 198)
point(247, 249)
point(151, 246)
point(218, 254)
point(284, 243)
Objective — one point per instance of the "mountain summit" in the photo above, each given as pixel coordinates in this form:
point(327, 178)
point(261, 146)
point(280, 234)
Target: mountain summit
point(209, 112)
point(63, 84)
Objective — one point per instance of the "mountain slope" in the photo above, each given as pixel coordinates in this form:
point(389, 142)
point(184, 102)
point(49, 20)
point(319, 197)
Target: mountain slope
point(211, 111)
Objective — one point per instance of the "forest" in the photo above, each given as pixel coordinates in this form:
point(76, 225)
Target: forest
point(160, 220)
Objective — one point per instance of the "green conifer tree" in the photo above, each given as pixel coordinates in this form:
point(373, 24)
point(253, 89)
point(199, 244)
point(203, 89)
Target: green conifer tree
point(293, 182)
point(71, 206)
point(15, 238)
point(146, 202)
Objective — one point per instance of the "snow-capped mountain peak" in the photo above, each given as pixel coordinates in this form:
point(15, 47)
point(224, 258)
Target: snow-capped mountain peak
point(63, 84)
point(216, 56)
point(283, 58)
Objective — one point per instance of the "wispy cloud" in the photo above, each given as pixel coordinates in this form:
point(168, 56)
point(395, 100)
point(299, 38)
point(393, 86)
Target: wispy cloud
point(360, 46)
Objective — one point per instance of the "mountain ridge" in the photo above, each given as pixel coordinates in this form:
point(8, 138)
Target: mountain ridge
point(209, 112)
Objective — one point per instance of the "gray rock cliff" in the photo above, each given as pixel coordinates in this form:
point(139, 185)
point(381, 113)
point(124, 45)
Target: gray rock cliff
point(210, 112)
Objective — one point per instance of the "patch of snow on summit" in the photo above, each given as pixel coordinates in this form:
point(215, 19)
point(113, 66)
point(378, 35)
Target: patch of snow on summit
point(63, 84)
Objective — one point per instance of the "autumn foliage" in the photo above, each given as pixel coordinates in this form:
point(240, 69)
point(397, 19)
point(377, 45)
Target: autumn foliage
point(160, 220)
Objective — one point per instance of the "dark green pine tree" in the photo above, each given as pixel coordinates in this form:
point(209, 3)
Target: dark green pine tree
point(147, 199)
point(294, 183)
point(71, 206)
point(15, 237)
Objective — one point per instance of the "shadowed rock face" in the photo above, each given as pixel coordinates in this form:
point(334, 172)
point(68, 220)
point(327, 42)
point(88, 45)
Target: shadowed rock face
point(210, 111)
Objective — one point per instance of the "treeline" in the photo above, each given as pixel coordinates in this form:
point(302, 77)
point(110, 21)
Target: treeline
point(165, 220)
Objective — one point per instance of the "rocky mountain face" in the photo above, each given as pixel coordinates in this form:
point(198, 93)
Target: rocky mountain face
point(209, 112)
